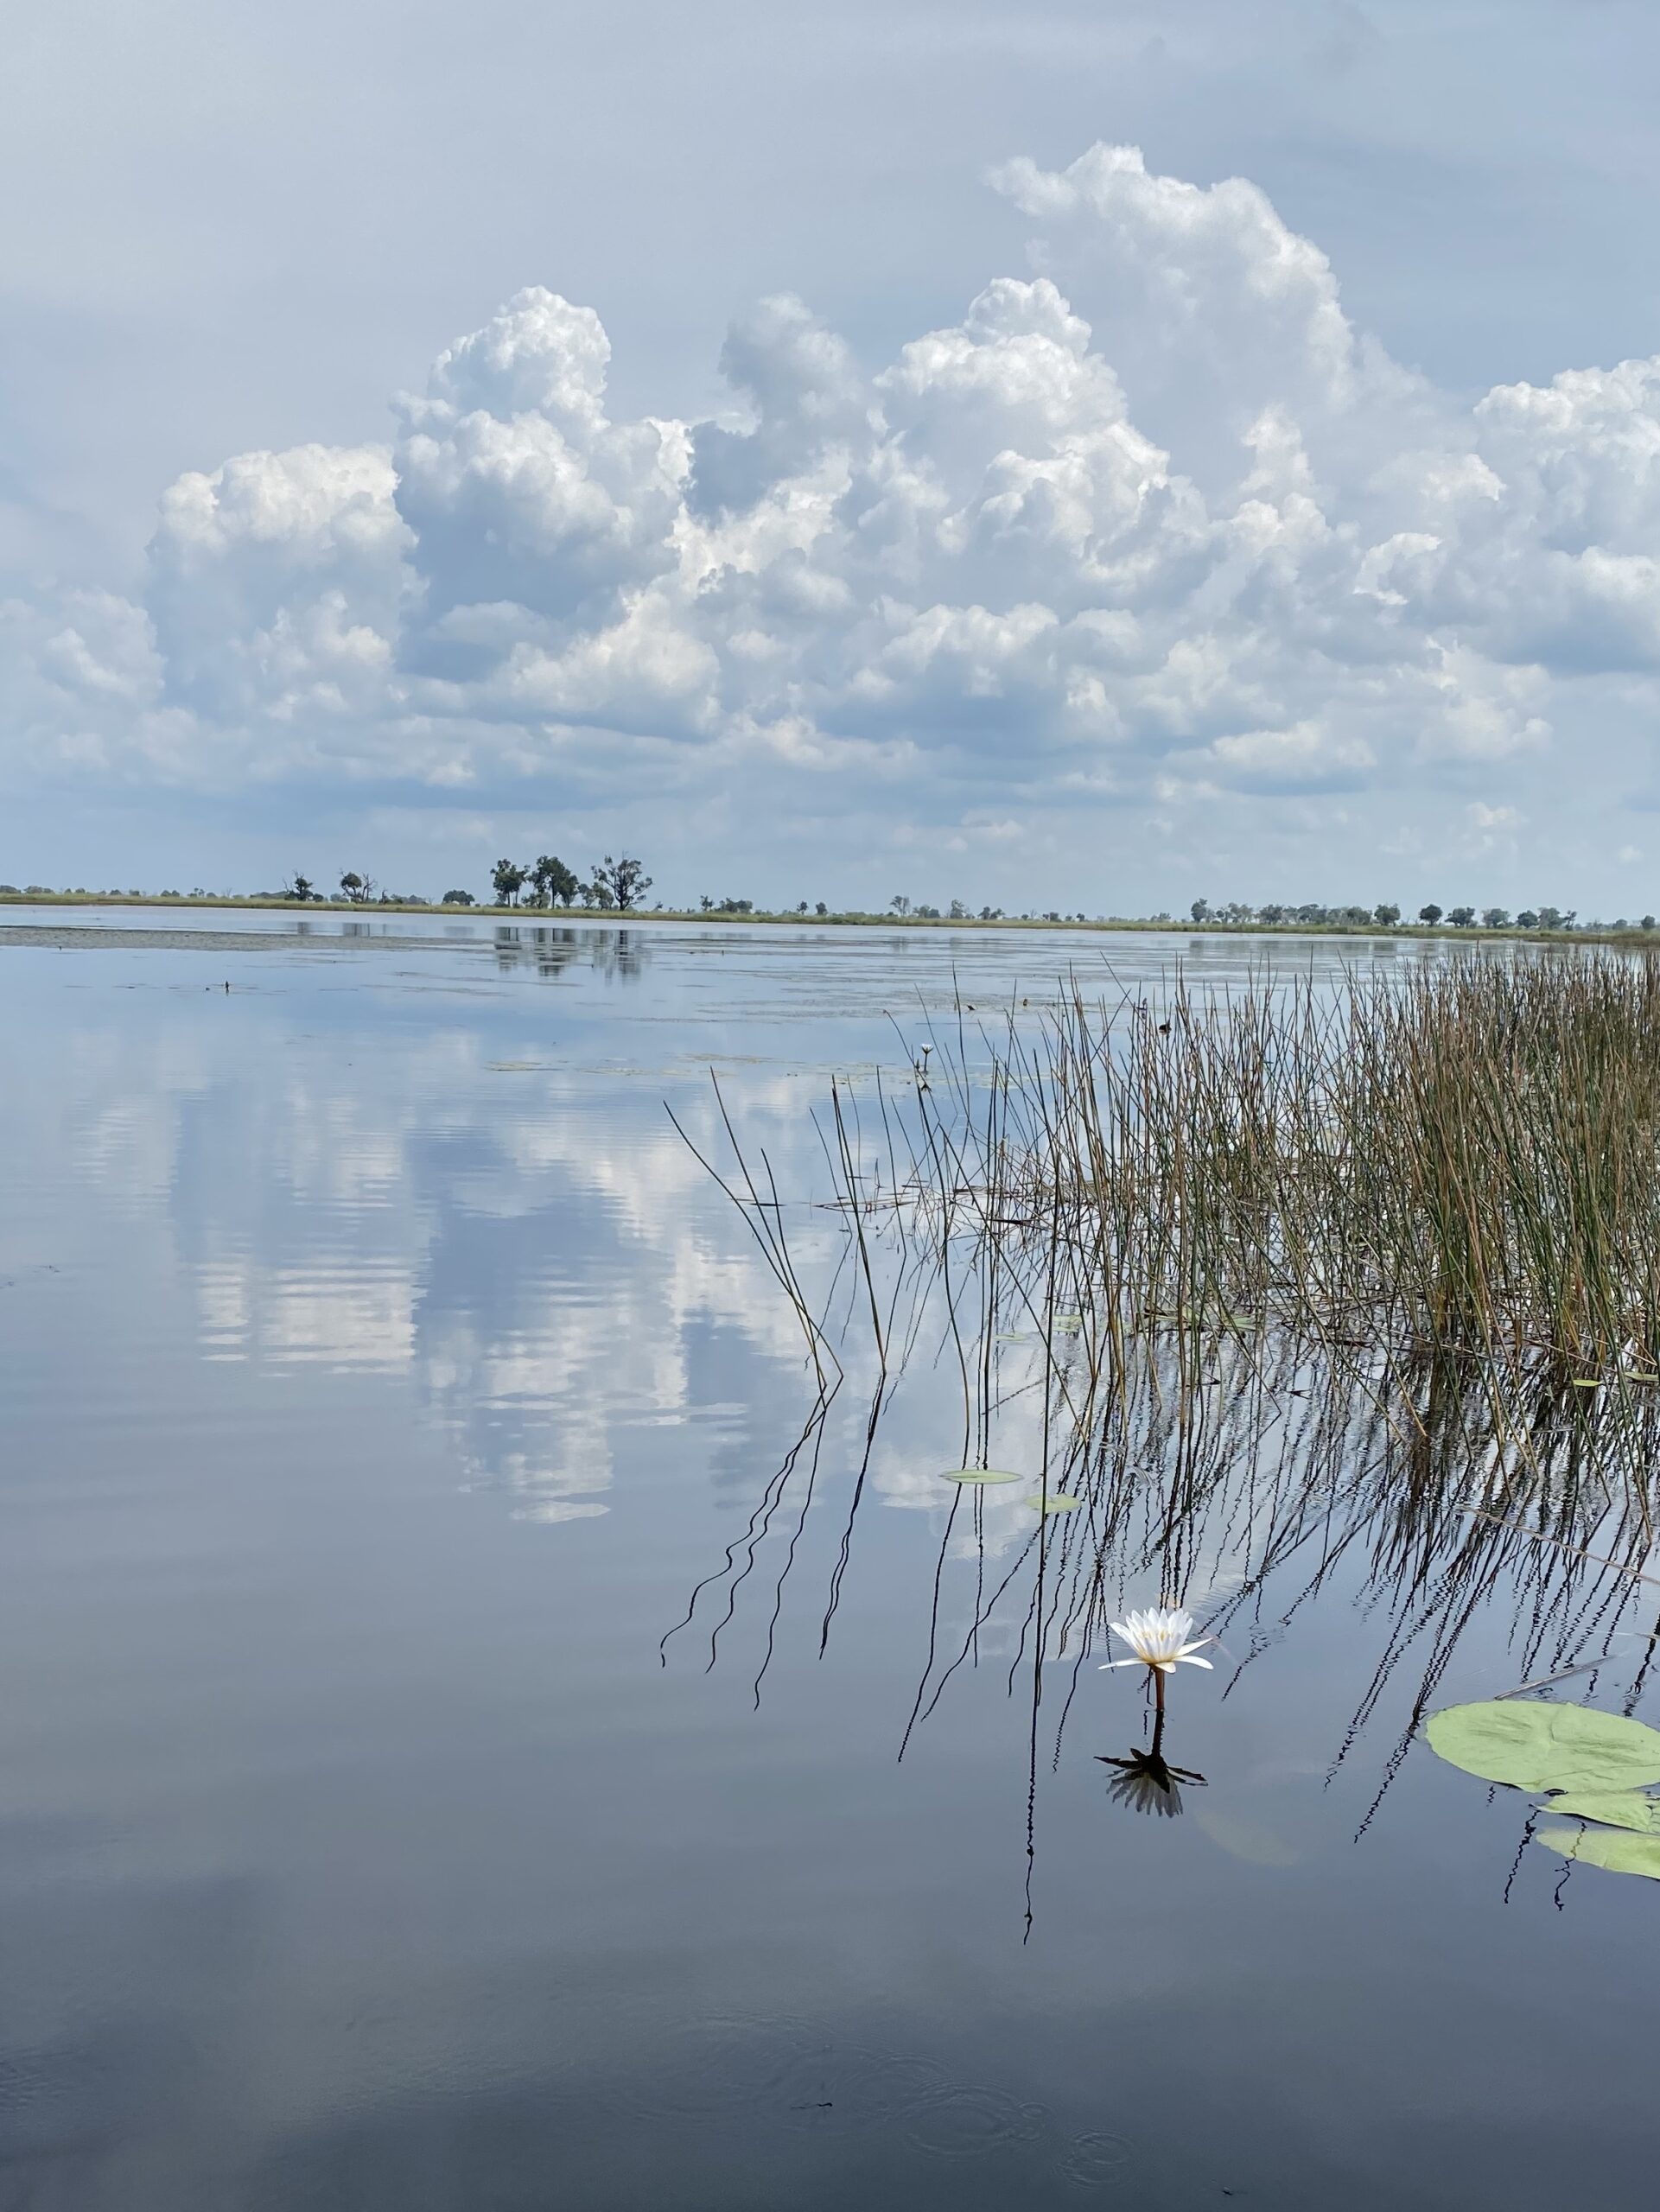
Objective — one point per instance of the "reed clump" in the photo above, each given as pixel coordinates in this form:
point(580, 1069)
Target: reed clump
point(1254, 1281)
point(1465, 1160)
point(1433, 1199)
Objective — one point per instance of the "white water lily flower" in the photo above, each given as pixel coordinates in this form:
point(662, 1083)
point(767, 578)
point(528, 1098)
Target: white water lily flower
point(1159, 1639)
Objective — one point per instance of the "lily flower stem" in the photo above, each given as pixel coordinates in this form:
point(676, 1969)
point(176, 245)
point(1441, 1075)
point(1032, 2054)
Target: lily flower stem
point(1157, 1674)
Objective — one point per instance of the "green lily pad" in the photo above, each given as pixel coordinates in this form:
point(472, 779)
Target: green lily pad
point(981, 1474)
point(1546, 1747)
point(1605, 1848)
point(1057, 1501)
point(1615, 1808)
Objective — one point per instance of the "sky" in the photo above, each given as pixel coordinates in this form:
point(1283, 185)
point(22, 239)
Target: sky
point(1078, 455)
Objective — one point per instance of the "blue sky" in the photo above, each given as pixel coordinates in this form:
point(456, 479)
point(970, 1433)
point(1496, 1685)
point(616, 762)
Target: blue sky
point(1092, 456)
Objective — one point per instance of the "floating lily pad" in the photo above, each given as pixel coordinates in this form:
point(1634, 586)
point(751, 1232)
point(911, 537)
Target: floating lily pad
point(1605, 1848)
point(981, 1474)
point(1057, 1501)
point(1615, 1808)
point(1546, 1747)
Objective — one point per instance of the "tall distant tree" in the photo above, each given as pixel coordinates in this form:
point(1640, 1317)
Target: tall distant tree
point(1386, 915)
point(554, 880)
point(301, 888)
point(509, 879)
point(1460, 917)
point(458, 899)
point(1200, 910)
point(623, 882)
point(1432, 913)
point(360, 889)
point(900, 903)
point(1495, 918)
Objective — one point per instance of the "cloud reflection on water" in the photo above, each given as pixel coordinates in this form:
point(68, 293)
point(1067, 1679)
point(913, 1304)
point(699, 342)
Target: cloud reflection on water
point(536, 1252)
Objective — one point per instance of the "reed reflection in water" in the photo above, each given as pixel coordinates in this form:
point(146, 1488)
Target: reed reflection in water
point(1265, 1288)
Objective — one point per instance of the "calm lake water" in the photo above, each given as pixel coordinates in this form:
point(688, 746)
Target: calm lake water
point(381, 1375)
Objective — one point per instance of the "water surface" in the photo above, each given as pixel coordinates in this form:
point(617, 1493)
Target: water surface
point(381, 1374)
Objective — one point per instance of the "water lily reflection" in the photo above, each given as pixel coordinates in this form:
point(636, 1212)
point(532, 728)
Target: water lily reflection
point(1147, 1782)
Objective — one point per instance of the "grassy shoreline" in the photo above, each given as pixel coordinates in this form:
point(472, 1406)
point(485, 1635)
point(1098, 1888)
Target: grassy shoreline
point(542, 916)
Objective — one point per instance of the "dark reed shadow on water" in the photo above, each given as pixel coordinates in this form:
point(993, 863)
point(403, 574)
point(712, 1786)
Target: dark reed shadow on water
point(1264, 1284)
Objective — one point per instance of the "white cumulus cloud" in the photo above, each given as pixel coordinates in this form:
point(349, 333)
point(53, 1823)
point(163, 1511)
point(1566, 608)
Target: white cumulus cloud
point(1151, 519)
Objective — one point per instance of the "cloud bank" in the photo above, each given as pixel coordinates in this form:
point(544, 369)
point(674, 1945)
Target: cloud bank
point(1153, 524)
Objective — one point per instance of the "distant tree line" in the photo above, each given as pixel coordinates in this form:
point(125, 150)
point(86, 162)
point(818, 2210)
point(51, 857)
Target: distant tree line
point(1387, 916)
point(620, 884)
